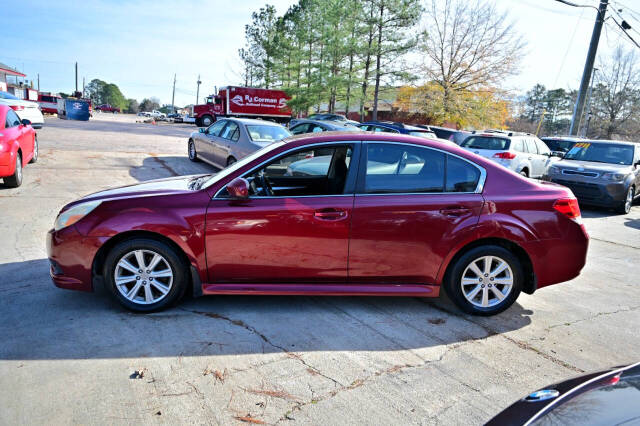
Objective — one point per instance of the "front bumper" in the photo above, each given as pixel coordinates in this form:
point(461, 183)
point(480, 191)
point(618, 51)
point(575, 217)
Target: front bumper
point(595, 193)
point(71, 256)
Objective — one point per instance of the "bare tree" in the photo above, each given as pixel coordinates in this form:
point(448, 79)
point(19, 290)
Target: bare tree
point(616, 96)
point(468, 45)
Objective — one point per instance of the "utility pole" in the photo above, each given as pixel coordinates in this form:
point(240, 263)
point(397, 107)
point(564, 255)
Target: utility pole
point(588, 67)
point(76, 76)
point(587, 108)
point(198, 90)
point(83, 87)
point(173, 96)
point(38, 82)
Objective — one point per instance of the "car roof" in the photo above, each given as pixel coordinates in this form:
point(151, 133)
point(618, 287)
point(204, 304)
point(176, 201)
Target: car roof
point(602, 141)
point(248, 121)
point(325, 123)
point(394, 125)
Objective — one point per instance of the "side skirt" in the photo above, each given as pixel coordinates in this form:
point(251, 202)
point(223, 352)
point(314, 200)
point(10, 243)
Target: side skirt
point(407, 290)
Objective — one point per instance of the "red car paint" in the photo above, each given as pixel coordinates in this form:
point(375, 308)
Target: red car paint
point(376, 245)
point(13, 140)
point(107, 108)
point(248, 102)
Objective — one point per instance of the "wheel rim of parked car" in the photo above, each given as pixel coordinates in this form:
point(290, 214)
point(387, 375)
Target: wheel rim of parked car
point(19, 168)
point(192, 150)
point(143, 277)
point(629, 200)
point(487, 281)
point(35, 149)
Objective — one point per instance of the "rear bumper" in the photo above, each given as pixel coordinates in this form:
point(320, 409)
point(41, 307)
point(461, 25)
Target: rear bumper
point(71, 257)
point(559, 260)
point(596, 194)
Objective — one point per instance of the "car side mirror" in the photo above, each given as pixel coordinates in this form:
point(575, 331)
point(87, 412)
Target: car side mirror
point(25, 122)
point(238, 189)
point(556, 154)
point(202, 129)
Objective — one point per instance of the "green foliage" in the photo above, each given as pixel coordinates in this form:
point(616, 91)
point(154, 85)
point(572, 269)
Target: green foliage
point(101, 92)
point(149, 104)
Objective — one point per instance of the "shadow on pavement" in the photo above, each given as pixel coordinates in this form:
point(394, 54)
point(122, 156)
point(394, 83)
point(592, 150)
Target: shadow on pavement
point(632, 223)
point(39, 321)
point(158, 167)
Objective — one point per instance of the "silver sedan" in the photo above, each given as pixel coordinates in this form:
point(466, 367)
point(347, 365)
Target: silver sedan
point(230, 139)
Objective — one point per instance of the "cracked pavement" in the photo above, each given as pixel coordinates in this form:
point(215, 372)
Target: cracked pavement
point(70, 357)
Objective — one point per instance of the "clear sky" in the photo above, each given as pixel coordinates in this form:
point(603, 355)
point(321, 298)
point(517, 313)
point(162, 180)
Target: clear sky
point(139, 45)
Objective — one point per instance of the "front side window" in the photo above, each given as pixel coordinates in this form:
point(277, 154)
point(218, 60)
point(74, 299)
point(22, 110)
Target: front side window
point(216, 128)
point(317, 129)
point(397, 168)
point(315, 171)
point(12, 119)
point(486, 142)
point(300, 129)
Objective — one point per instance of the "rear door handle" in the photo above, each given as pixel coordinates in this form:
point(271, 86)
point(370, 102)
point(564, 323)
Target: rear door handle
point(455, 211)
point(330, 214)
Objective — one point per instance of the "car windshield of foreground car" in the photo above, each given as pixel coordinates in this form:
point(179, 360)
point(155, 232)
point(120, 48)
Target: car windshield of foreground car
point(601, 153)
point(266, 133)
point(241, 163)
point(484, 142)
point(5, 95)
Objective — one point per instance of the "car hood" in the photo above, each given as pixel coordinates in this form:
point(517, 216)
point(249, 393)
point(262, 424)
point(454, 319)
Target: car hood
point(174, 185)
point(592, 166)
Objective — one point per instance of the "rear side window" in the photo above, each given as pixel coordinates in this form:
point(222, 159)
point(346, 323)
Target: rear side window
point(531, 146)
point(461, 176)
point(518, 145)
point(486, 142)
point(395, 168)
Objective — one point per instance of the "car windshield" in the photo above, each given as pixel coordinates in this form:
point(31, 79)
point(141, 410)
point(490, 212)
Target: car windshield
point(601, 153)
point(241, 163)
point(559, 145)
point(5, 95)
point(485, 142)
point(422, 134)
point(265, 133)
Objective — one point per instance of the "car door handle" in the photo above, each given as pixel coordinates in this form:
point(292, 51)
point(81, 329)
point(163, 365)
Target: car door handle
point(455, 211)
point(330, 214)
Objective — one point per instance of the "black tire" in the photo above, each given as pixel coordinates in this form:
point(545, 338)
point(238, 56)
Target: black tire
point(198, 122)
point(230, 161)
point(178, 267)
point(625, 206)
point(191, 151)
point(453, 280)
point(207, 120)
point(524, 172)
point(35, 151)
point(15, 180)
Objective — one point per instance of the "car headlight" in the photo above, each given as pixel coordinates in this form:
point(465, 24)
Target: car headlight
point(615, 177)
point(74, 214)
point(553, 170)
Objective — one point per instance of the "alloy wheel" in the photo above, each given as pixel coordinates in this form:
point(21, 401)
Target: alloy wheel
point(487, 281)
point(629, 200)
point(192, 150)
point(143, 277)
point(18, 168)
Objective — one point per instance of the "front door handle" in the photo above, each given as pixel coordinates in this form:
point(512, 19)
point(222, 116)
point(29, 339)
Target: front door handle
point(330, 214)
point(455, 211)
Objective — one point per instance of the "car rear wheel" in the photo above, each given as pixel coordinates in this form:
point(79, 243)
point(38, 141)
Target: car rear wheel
point(625, 206)
point(206, 120)
point(15, 180)
point(525, 173)
point(145, 275)
point(485, 280)
point(193, 154)
point(230, 161)
point(35, 150)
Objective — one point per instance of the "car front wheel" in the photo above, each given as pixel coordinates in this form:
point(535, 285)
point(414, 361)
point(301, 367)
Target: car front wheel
point(193, 154)
point(145, 275)
point(625, 206)
point(485, 280)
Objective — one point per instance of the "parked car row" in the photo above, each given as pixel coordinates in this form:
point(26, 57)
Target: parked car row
point(18, 146)
point(26, 110)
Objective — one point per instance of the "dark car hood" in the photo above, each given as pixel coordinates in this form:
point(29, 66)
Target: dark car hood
point(174, 185)
point(593, 166)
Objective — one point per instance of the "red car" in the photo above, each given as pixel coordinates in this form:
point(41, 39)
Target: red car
point(107, 108)
point(18, 146)
point(330, 214)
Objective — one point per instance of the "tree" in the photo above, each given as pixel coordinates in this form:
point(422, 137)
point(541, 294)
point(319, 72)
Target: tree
point(616, 96)
point(132, 107)
point(149, 104)
point(101, 92)
point(469, 45)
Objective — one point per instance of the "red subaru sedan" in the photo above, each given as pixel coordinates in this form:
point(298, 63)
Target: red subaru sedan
point(18, 146)
point(333, 214)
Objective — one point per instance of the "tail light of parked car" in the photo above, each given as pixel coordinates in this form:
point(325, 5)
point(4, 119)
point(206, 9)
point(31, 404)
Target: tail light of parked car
point(17, 107)
point(568, 207)
point(505, 155)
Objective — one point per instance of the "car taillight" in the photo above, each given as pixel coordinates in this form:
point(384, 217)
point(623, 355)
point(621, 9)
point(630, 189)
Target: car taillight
point(505, 155)
point(568, 207)
point(17, 107)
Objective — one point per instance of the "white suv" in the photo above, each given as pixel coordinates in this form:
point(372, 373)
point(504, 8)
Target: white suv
point(521, 152)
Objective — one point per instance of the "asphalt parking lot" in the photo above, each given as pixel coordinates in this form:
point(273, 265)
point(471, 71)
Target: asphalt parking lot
point(71, 357)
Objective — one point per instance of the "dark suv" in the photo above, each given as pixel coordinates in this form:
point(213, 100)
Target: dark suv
point(600, 173)
point(560, 145)
point(395, 127)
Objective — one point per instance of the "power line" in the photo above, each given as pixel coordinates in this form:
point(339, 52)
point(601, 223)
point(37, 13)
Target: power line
point(625, 32)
